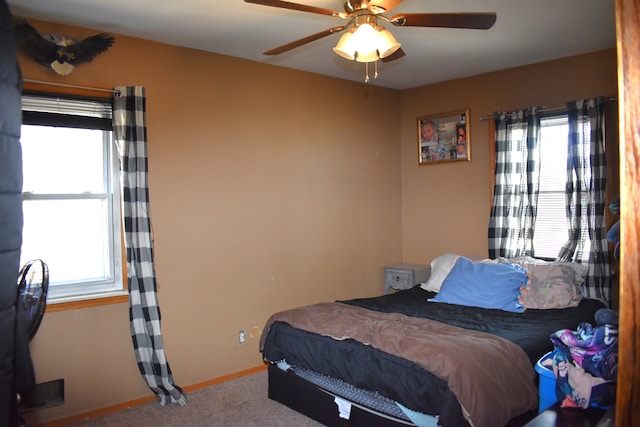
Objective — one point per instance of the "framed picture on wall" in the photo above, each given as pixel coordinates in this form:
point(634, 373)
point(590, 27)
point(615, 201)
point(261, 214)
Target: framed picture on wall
point(444, 138)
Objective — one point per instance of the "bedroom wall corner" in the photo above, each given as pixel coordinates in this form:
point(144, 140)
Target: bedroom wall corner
point(446, 206)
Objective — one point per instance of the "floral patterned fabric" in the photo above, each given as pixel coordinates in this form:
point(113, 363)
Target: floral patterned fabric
point(551, 284)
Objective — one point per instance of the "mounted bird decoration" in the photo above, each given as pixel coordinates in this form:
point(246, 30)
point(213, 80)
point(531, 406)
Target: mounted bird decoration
point(61, 54)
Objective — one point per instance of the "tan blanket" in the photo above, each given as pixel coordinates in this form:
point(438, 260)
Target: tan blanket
point(491, 377)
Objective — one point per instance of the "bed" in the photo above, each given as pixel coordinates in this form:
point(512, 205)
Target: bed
point(409, 359)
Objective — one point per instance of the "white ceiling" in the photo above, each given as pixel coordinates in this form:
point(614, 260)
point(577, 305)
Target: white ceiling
point(526, 32)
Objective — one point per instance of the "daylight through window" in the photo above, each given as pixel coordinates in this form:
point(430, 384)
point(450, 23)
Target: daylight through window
point(551, 227)
point(71, 196)
point(551, 230)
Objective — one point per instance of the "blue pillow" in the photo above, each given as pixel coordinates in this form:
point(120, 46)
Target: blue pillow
point(483, 285)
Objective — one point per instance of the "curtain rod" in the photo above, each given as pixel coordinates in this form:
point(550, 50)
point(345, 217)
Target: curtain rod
point(41, 82)
point(544, 109)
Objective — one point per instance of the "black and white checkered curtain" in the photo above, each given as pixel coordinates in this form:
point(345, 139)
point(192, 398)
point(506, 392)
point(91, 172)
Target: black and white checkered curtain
point(144, 312)
point(585, 196)
point(517, 182)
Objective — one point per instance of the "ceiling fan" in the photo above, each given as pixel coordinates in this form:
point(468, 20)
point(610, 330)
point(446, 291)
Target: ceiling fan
point(365, 14)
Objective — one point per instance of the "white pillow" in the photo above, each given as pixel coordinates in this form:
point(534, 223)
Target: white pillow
point(440, 268)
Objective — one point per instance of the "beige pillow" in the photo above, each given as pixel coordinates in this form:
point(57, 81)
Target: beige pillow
point(551, 284)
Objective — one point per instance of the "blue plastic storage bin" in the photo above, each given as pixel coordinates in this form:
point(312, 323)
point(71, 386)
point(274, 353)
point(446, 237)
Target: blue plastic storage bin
point(546, 384)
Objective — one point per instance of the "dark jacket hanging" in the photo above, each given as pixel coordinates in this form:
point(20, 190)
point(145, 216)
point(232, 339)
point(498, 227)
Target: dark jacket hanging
point(16, 370)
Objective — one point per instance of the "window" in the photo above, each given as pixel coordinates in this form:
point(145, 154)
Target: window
point(523, 193)
point(71, 196)
point(551, 231)
point(551, 227)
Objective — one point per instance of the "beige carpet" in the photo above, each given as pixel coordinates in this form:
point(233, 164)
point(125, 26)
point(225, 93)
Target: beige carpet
point(240, 402)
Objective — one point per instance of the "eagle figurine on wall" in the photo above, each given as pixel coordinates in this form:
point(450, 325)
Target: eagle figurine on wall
point(61, 54)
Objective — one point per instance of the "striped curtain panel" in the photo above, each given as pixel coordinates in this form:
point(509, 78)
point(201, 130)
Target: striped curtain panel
point(144, 312)
point(515, 193)
point(585, 197)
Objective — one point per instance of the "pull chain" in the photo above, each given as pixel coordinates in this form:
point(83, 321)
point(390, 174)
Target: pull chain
point(366, 71)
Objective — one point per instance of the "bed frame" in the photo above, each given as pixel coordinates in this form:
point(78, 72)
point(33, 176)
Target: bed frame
point(308, 399)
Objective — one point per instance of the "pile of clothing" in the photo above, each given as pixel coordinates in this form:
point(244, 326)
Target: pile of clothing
point(613, 235)
point(585, 362)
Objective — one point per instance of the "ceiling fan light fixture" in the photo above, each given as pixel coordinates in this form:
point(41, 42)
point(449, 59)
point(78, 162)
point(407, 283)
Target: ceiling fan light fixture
point(386, 43)
point(367, 56)
point(365, 39)
point(346, 46)
point(363, 42)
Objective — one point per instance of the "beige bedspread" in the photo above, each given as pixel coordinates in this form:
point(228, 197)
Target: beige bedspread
point(491, 377)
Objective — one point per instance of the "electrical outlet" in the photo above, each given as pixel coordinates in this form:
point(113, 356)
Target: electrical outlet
point(241, 338)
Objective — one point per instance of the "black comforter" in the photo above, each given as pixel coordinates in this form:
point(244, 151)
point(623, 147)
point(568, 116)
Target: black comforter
point(404, 381)
point(530, 330)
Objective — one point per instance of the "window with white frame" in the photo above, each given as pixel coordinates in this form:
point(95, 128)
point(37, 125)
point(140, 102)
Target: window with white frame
point(71, 196)
point(551, 231)
point(551, 227)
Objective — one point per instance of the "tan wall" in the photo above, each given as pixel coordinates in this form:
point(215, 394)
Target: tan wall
point(267, 193)
point(445, 207)
point(269, 188)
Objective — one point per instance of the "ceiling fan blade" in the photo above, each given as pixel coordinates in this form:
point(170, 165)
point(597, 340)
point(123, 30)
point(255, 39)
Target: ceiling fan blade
point(387, 5)
point(297, 43)
point(474, 21)
point(295, 6)
point(395, 55)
